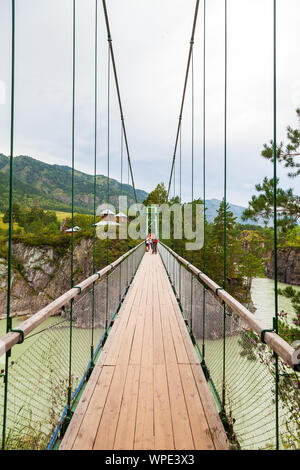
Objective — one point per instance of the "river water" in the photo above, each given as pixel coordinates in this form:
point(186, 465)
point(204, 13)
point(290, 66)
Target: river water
point(262, 293)
point(249, 383)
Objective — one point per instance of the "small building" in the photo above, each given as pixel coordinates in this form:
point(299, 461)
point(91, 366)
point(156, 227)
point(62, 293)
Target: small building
point(75, 229)
point(106, 222)
point(108, 215)
point(121, 218)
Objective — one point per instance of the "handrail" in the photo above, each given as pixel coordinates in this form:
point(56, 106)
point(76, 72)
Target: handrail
point(279, 345)
point(10, 339)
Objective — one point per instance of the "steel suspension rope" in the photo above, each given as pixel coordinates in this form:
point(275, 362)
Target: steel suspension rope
point(95, 174)
point(108, 174)
point(118, 93)
point(204, 177)
point(9, 273)
point(180, 199)
point(120, 244)
point(192, 222)
point(184, 91)
point(73, 188)
point(275, 214)
point(225, 218)
point(127, 221)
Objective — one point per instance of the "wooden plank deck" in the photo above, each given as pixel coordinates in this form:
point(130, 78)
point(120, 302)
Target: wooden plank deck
point(147, 390)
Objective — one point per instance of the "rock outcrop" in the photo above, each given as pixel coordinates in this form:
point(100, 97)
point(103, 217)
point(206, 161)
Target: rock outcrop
point(288, 264)
point(40, 275)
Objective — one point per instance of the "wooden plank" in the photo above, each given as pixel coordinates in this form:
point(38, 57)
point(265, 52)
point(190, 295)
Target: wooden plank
point(168, 311)
point(147, 354)
point(181, 425)
point(169, 348)
point(144, 432)
point(159, 354)
point(74, 426)
point(88, 429)
point(113, 354)
point(189, 347)
point(107, 428)
point(128, 333)
point(179, 344)
point(163, 438)
point(137, 343)
point(200, 430)
point(126, 426)
point(214, 422)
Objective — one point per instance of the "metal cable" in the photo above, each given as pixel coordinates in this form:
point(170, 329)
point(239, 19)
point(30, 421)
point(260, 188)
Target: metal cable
point(118, 93)
point(184, 91)
point(225, 221)
point(8, 317)
point(108, 168)
point(192, 254)
point(204, 171)
point(73, 191)
point(95, 173)
point(275, 215)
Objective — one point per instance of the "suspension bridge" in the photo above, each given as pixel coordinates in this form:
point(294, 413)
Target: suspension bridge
point(158, 364)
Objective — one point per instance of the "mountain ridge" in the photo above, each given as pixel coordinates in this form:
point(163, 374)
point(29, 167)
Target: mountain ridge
point(49, 187)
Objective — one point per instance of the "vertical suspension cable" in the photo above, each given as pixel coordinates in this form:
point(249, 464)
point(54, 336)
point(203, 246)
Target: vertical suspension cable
point(174, 179)
point(120, 244)
point(204, 176)
point(127, 222)
point(72, 246)
point(108, 172)
point(275, 214)
point(192, 254)
point(8, 317)
point(225, 221)
point(95, 173)
point(184, 91)
point(174, 198)
point(180, 163)
point(180, 168)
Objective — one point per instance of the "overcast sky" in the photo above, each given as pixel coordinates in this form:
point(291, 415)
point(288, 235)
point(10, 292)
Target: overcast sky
point(151, 43)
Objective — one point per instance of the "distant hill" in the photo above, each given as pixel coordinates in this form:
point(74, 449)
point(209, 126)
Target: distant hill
point(49, 186)
point(212, 205)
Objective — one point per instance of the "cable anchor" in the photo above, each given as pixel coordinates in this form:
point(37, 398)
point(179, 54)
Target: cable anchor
point(262, 333)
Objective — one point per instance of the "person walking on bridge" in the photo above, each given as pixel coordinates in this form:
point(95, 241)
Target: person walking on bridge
point(154, 244)
point(148, 243)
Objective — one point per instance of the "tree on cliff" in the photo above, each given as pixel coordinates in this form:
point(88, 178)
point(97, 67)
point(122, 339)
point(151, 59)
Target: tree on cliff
point(289, 153)
point(158, 196)
point(288, 204)
point(16, 214)
point(262, 206)
point(242, 264)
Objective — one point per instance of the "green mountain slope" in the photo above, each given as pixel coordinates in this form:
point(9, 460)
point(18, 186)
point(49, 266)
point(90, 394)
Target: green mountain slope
point(50, 186)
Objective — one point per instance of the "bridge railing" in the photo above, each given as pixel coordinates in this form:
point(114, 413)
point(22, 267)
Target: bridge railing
point(60, 344)
point(237, 355)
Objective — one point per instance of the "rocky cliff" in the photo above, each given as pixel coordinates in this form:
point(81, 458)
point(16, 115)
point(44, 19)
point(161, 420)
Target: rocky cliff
point(40, 275)
point(288, 263)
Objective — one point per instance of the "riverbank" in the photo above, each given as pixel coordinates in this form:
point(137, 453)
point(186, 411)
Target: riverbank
point(262, 294)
